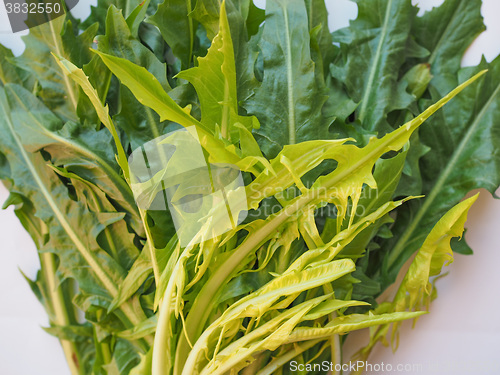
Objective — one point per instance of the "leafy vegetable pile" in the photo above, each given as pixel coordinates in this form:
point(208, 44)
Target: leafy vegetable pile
point(329, 132)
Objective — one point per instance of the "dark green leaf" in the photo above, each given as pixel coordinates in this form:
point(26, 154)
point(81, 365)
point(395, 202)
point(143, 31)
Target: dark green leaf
point(294, 114)
point(466, 160)
point(373, 50)
point(177, 26)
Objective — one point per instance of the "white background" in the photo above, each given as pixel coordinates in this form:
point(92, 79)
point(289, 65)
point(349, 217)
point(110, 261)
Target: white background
point(460, 336)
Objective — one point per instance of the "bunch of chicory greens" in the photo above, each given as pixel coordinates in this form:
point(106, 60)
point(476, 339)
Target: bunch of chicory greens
point(344, 180)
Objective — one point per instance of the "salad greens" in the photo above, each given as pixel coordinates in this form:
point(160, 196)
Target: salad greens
point(356, 147)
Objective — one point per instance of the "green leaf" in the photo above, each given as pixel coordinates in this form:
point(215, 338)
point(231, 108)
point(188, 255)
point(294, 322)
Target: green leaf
point(261, 301)
point(53, 294)
point(40, 128)
point(149, 92)
point(146, 327)
point(139, 122)
point(348, 323)
point(387, 174)
point(115, 239)
point(147, 89)
point(120, 42)
point(137, 275)
point(279, 286)
point(294, 114)
point(69, 332)
point(373, 51)
point(322, 48)
point(57, 91)
point(242, 14)
point(238, 354)
point(100, 78)
point(464, 162)
point(435, 253)
point(77, 47)
point(411, 180)
point(207, 13)
point(245, 37)
point(290, 283)
point(328, 307)
point(144, 366)
point(343, 184)
point(215, 82)
point(125, 358)
point(82, 80)
point(174, 20)
point(10, 73)
point(137, 16)
point(447, 31)
point(98, 13)
point(416, 289)
point(73, 229)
